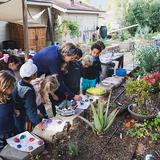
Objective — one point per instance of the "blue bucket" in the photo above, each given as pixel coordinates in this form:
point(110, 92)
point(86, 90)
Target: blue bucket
point(121, 72)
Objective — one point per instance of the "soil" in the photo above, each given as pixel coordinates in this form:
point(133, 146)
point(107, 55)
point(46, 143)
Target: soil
point(113, 145)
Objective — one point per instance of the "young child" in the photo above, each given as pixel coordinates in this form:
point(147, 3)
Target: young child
point(7, 128)
point(45, 88)
point(88, 73)
point(25, 97)
point(10, 63)
point(101, 44)
point(95, 52)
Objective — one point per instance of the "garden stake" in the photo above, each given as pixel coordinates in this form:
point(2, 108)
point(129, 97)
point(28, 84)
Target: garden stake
point(114, 133)
point(118, 95)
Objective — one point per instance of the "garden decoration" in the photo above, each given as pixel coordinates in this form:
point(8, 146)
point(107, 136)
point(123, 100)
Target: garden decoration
point(102, 120)
point(25, 142)
point(142, 106)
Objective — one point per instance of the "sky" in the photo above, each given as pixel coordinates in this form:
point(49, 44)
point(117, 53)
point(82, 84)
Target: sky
point(99, 3)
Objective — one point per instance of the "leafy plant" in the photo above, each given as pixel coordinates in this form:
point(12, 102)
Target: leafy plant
point(148, 59)
point(150, 128)
point(73, 149)
point(138, 90)
point(69, 26)
point(102, 120)
point(123, 36)
point(145, 13)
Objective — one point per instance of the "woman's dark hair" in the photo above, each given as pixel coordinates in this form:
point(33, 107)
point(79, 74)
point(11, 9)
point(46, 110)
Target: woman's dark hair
point(78, 52)
point(68, 49)
point(96, 46)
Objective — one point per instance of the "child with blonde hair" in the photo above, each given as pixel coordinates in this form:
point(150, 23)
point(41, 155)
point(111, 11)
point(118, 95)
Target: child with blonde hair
point(45, 88)
point(7, 128)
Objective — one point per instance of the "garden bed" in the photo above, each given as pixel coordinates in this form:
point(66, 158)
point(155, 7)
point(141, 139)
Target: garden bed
point(113, 145)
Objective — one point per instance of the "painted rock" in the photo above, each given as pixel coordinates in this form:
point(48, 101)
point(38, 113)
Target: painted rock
point(30, 148)
point(40, 142)
point(31, 139)
point(16, 140)
point(19, 146)
point(22, 136)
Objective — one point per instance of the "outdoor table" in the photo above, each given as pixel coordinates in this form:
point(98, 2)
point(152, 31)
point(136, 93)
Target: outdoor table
point(108, 57)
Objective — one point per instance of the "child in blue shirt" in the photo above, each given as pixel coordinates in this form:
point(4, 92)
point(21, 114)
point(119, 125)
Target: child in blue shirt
point(7, 128)
point(88, 73)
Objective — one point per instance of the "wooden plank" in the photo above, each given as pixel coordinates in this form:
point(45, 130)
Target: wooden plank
point(25, 27)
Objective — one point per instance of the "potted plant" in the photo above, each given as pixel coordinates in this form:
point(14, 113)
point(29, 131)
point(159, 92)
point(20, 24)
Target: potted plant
point(142, 106)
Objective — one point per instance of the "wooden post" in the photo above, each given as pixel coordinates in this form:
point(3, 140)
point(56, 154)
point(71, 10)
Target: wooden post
point(25, 28)
point(50, 25)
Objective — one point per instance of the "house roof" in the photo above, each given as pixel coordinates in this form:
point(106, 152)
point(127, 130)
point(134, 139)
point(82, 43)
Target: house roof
point(66, 5)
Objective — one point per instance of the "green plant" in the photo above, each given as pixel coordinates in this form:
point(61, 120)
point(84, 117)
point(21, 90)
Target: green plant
point(123, 36)
point(102, 120)
point(150, 128)
point(138, 90)
point(73, 149)
point(69, 26)
point(148, 59)
point(145, 13)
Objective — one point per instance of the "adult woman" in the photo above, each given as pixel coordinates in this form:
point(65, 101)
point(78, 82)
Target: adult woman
point(49, 61)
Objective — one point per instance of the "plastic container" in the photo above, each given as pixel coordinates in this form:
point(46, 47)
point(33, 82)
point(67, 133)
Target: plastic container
point(121, 72)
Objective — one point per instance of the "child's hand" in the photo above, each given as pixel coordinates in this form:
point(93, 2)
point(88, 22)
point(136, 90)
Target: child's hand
point(17, 112)
point(77, 98)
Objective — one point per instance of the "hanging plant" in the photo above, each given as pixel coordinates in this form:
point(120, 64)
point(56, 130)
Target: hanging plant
point(69, 26)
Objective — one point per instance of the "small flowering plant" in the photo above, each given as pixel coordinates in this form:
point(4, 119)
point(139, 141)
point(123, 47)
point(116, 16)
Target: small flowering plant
point(153, 79)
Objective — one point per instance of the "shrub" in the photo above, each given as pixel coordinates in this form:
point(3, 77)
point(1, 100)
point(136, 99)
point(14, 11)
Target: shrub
point(145, 13)
point(148, 59)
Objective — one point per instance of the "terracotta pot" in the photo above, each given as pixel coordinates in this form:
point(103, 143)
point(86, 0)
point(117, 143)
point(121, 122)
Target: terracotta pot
point(140, 117)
